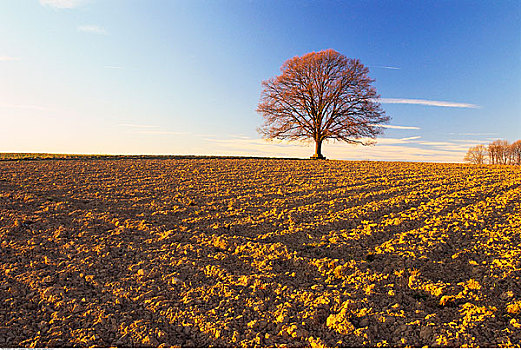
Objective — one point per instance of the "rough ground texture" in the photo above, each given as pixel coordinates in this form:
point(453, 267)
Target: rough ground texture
point(149, 253)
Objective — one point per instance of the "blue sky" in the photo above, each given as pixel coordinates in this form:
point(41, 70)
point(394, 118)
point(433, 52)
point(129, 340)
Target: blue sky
point(183, 77)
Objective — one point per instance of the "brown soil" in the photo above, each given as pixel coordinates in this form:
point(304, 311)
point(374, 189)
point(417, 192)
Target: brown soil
point(248, 253)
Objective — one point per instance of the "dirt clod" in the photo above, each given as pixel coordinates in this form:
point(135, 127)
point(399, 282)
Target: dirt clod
point(259, 253)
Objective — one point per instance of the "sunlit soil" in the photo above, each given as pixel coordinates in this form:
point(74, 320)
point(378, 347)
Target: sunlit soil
point(247, 253)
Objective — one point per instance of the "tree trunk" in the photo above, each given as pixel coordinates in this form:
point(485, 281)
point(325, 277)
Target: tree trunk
point(318, 150)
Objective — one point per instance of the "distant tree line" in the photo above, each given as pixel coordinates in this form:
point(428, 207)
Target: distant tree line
point(496, 152)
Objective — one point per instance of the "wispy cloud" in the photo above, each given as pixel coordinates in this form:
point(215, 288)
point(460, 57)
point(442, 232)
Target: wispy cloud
point(18, 106)
point(113, 67)
point(149, 129)
point(410, 138)
point(474, 133)
point(138, 126)
point(411, 101)
point(240, 136)
point(435, 143)
point(62, 4)
point(159, 132)
point(8, 58)
point(396, 127)
point(92, 29)
point(407, 149)
point(393, 141)
point(469, 141)
point(413, 148)
point(385, 67)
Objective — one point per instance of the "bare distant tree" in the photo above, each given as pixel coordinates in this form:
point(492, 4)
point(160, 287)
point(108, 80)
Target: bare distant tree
point(492, 153)
point(476, 154)
point(498, 152)
point(321, 95)
point(515, 152)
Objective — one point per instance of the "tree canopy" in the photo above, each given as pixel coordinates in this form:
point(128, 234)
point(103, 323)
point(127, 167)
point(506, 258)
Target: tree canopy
point(321, 95)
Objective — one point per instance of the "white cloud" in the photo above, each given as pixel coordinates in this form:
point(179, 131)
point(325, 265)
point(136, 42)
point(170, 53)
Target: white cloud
point(393, 141)
point(411, 101)
point(159, 132)
point(62, 4)
point(469, 141)
point(386, 149)
point(396, 127)
point(17, 106)
point(8, 58)
point(138, 126)
point(113, 67)
point(411, 138)
point(385, 67)
point(92, 29)
point(435, 143)
point(149, 130)
point(474, 133)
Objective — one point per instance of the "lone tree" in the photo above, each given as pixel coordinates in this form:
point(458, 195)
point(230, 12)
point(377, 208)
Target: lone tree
point(476, 155)
point(321, 95)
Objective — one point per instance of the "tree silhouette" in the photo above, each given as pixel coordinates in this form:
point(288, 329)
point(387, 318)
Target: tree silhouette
point(321, 95)
point(498, 152)
point(515, 151)
point(476, 154)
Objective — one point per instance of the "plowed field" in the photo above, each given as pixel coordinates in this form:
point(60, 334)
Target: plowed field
point(234, 253)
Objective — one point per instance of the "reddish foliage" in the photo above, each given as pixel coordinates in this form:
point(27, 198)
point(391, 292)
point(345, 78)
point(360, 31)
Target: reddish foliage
point(321, 95)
